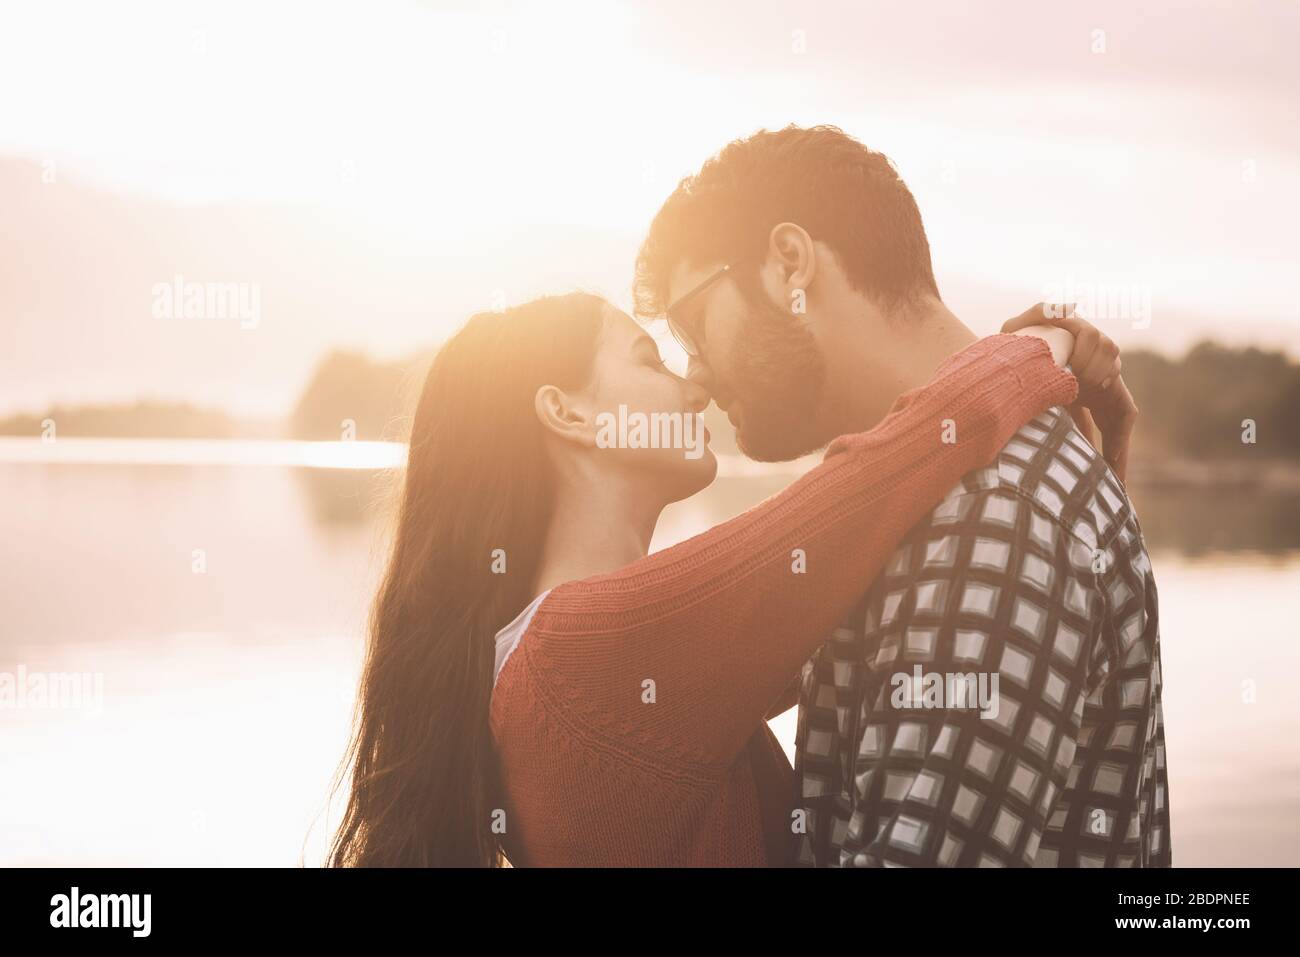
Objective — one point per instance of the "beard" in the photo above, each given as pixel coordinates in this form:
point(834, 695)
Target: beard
point(777, 375)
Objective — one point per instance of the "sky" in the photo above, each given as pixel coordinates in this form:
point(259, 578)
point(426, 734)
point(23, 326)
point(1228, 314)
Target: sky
point(1137, 152)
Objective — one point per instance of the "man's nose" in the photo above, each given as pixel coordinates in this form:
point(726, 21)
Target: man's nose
point(699, 373)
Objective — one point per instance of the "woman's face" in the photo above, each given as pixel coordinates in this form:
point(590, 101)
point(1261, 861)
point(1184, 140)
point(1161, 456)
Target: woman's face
point(647, 419)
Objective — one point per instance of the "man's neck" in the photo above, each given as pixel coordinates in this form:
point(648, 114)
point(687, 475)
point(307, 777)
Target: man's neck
point(883, 357)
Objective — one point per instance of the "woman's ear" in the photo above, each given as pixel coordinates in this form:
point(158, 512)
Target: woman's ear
point(562, 417)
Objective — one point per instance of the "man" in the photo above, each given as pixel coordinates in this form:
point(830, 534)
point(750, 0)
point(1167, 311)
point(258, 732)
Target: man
point(994, 700)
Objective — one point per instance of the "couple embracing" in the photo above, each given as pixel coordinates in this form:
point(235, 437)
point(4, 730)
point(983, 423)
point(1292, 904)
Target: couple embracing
point(539, 688)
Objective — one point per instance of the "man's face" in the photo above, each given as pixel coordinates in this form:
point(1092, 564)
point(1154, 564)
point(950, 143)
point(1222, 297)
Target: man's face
point(759, 361)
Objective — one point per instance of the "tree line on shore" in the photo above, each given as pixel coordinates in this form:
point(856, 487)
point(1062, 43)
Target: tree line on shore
point(1216, 402)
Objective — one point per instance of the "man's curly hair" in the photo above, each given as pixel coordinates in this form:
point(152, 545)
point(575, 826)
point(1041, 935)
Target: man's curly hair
point(842, 193)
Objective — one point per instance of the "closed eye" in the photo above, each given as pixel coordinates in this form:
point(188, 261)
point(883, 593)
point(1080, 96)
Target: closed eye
point(696, 320)
point(650, 352)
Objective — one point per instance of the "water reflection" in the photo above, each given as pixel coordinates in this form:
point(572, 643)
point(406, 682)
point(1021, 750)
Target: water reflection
point(356, 482)
point(1193, 521)
point(349, 496)
point(1200, 522)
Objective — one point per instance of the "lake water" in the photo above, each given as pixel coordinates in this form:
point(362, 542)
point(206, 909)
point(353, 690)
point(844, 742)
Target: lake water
point(215, 592)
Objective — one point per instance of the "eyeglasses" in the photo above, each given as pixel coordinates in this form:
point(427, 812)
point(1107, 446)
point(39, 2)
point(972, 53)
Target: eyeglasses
point(689, 338)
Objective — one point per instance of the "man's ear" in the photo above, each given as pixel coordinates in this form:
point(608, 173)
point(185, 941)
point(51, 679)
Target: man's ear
point(562, 417)
point(791, 248)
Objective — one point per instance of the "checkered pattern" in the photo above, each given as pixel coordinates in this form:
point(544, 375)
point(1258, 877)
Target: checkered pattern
point(1033, 570)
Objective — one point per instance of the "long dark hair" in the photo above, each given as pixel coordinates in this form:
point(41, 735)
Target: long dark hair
point(424, 774)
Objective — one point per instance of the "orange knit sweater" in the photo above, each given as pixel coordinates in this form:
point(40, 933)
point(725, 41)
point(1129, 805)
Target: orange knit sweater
point(629, 721)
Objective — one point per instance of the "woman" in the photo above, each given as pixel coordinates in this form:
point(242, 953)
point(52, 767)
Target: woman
point(534, 684)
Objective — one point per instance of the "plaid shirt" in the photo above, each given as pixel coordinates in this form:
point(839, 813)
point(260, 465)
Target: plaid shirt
point(1029, 582)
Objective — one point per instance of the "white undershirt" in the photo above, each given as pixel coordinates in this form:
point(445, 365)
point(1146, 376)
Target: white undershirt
point(508, 637)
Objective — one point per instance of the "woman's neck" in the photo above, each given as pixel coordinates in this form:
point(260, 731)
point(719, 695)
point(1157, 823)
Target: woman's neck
point(598, 526)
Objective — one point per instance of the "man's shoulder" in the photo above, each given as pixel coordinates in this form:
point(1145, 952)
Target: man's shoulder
point(1046, 478)
point(1047, 505)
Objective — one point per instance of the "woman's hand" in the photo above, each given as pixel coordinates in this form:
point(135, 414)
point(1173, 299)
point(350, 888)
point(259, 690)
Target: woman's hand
point(1104, 402)
point(1060, 341)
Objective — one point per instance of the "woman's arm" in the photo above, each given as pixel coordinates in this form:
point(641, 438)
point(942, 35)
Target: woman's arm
point(787, 699)
point(1104, 411)
point(682, 653)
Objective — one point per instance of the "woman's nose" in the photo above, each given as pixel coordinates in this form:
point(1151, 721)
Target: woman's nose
point(699, 383)
point(698, 373)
